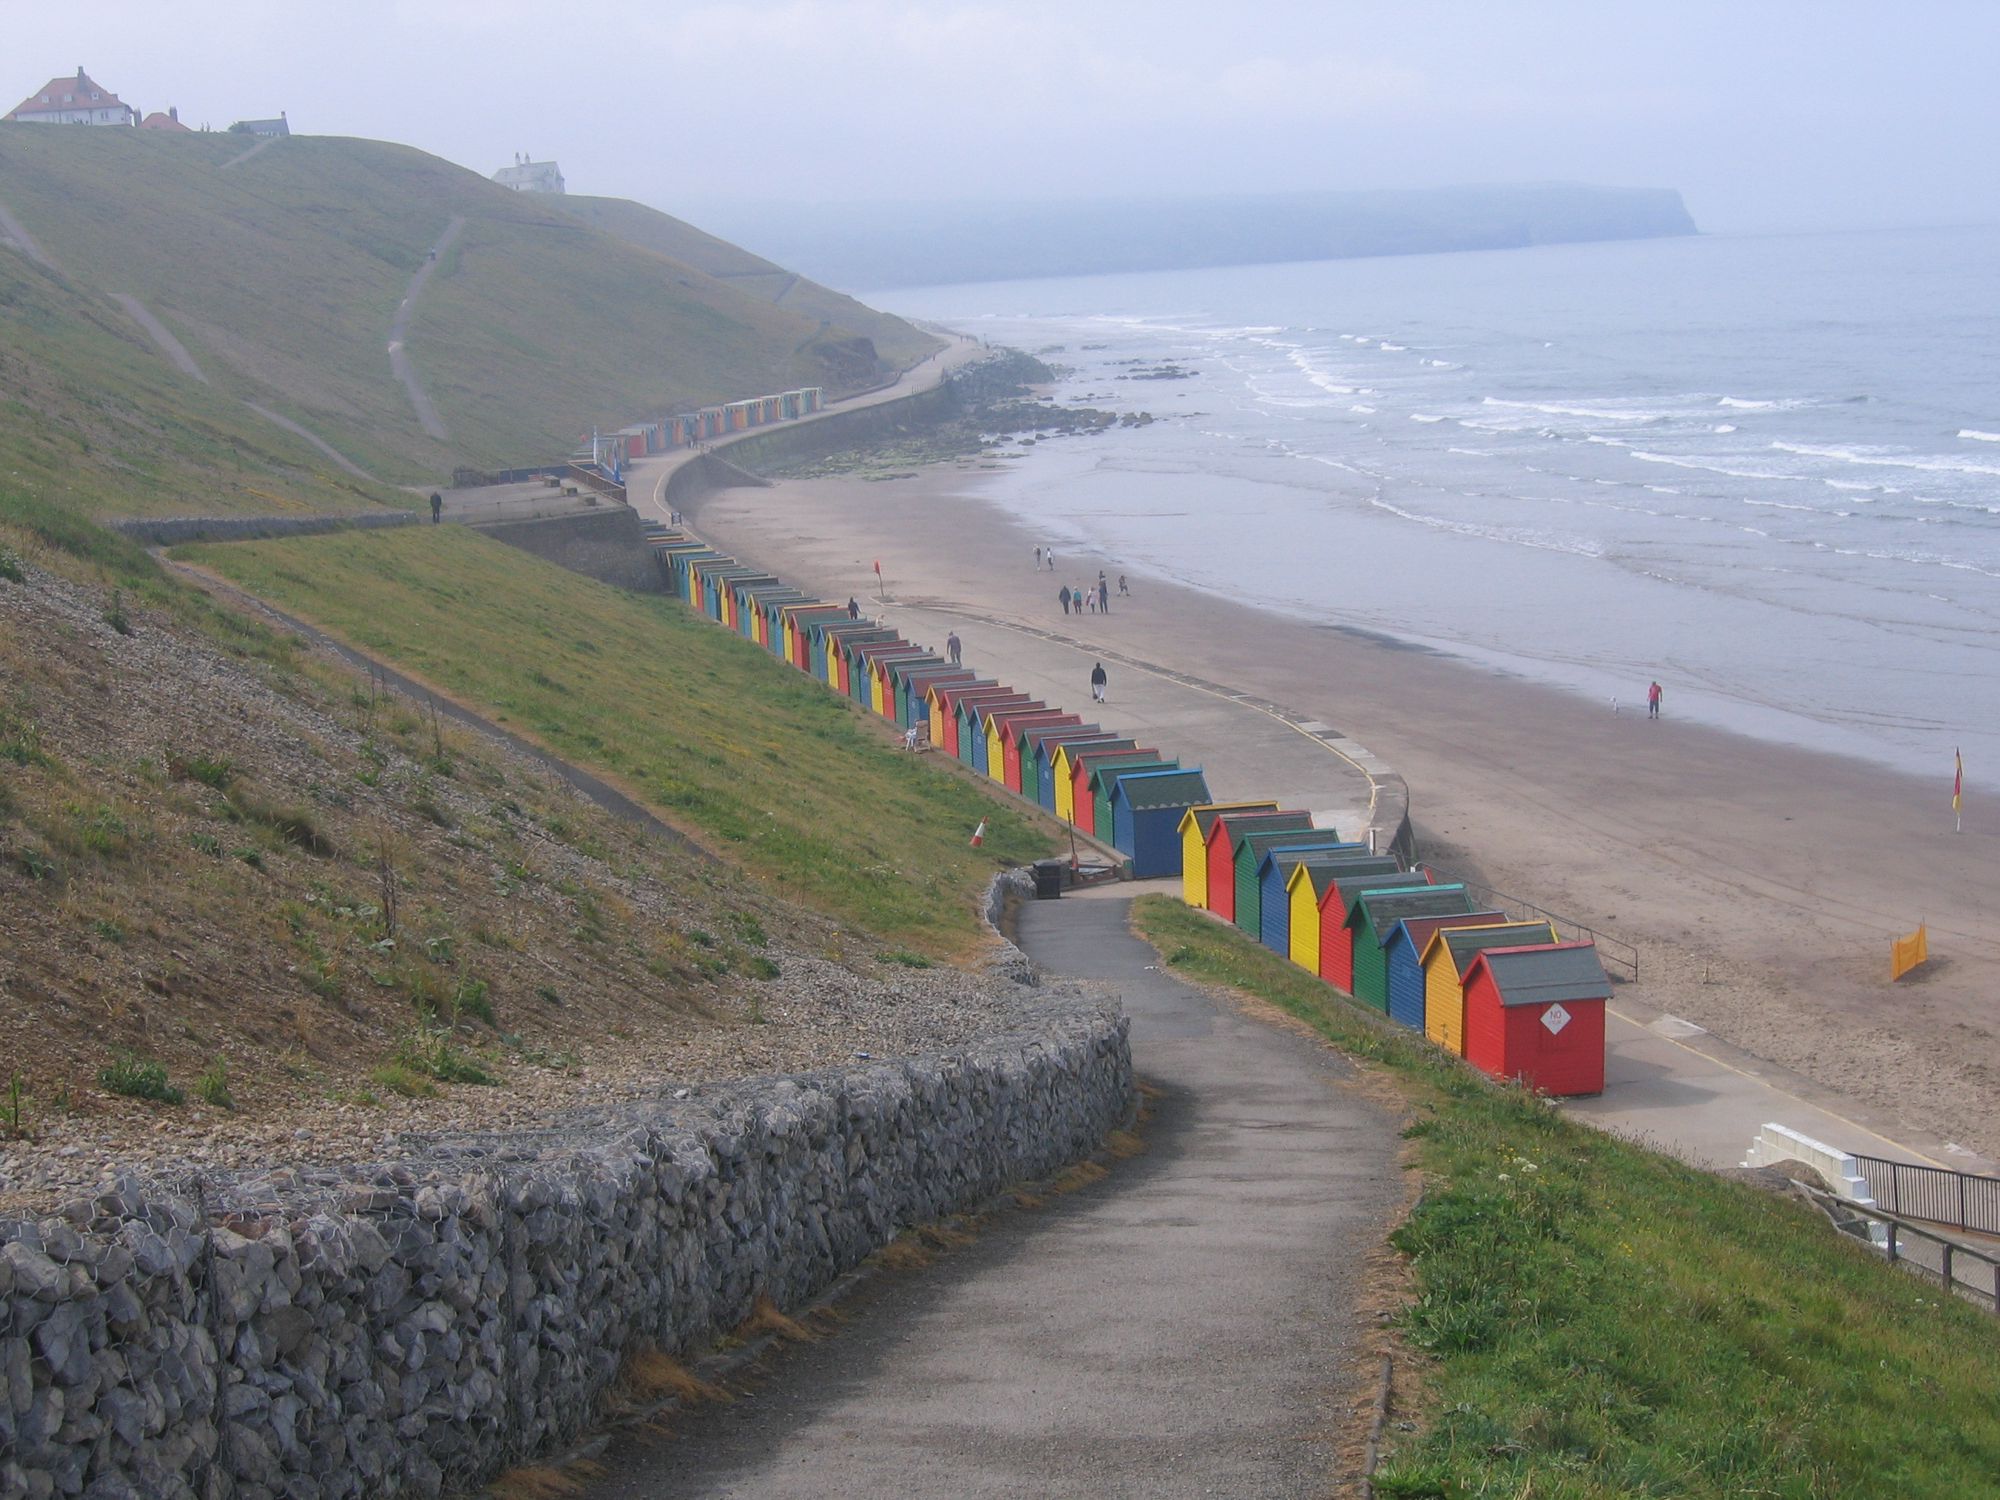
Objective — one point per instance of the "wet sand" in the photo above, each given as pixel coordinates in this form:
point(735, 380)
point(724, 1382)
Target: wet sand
point(1760, 883)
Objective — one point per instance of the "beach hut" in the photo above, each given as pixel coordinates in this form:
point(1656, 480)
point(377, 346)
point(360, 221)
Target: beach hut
point(1104, 780)
point(824, 636)
point(964, 709)
point(972, 737)
point(914, 685)
point(792, 632)
point(997, 726)
point(882, 688)
point(944, 710)
point(1016, 740)
point(1056, 792)
point(1224, 834)
point(1193, 830)
point(1403, 964)
point(1369, 921)
point(1247, 860)
point(1037, 744)
point(861, 668)
point(1445, 959)
point(1146, 810)
point(988, 755)
point(1537, 1014)
point(1336, 938)
point(842, 646)
point(1083, 787)
point(1274, 873)
point(1306, 887)
point(1064, 766)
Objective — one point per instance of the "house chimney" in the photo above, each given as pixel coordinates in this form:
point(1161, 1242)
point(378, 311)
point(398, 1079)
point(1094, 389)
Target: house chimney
point(174, 113)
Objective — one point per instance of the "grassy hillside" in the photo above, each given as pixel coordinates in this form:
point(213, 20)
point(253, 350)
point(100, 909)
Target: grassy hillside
point(1594, 1319)
point(895, 341)
point(752, 757)
point(282, 277)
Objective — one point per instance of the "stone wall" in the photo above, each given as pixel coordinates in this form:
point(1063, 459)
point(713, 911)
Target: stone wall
point(607, 544)
point(401, 1329)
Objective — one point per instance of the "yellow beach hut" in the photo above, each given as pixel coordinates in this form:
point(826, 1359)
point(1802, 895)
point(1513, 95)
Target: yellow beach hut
point(1195, 823)
point(1447, 956)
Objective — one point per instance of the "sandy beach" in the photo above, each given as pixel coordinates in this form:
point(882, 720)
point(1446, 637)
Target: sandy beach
point(1761, 884)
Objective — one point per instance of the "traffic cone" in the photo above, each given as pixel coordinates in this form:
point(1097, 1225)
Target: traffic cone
point(979, 834)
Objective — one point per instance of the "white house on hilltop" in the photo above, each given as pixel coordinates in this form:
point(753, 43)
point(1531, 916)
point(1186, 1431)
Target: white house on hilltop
point(74, 101)
point(530, 176)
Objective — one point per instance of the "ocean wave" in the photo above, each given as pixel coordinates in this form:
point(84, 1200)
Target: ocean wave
point(1707, 466)
point(1422, 416)
point(1887, 458)
point(1744, 403)
point(1585, 413)
point(1723, 427)
point(1977, 436)
point(1366, 411)
point(1390, 348)
point(1442, 364)
point(1541, 542)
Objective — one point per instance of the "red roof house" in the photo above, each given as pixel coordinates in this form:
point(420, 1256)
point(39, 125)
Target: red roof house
point(74, 101)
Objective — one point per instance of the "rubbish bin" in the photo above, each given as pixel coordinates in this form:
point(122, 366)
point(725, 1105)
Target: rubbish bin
point(1048, 879)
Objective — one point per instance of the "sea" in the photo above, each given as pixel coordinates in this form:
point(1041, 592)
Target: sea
point(1764, 471)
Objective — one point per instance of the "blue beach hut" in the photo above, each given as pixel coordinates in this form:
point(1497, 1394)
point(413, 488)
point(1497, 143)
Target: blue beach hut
point(1146, 812)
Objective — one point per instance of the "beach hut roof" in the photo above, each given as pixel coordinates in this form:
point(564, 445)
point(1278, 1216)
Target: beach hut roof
point(1466, 943)
point(1331, 850)
point(1320, 868)
point(1042, 734)
point(1261, 841)
point(1148, 789)
point(1236, 827)
point(1351, 888)
point(1204, 816)
point(1094, 766)
point(1545, 973)
point(1421, 928)
point(1387, 907)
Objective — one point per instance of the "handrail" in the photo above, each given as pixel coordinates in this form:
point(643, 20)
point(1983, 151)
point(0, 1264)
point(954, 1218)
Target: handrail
point(1617, 950)
point(1937, 1194)
point(1897, 1247)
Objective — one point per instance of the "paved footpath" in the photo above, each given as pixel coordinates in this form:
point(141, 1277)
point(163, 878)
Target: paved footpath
point(1186, 1327)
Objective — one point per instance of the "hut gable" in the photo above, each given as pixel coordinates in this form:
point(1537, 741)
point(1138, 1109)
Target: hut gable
point(1466, 943)
point(1385, 908)
point(1167, 789)
point(1545, 974)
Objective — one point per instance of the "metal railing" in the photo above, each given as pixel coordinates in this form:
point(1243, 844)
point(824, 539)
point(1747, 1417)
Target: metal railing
point(1934, 1193)
point(1960, 1269)
point(1612, 950)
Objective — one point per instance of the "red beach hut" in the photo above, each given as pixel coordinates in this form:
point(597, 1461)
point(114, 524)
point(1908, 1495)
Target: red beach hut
point(1224, 834)
point(1537, 1014)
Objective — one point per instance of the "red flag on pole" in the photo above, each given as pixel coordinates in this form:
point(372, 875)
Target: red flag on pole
point(878, 567)
point(1957, 778)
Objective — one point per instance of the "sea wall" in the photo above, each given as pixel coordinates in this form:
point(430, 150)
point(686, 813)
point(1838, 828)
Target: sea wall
point(419, 1325)
point(801, 442)
point(607, 544)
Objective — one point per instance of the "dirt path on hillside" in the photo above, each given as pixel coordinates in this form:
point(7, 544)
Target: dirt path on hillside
point(1190, 1326)
point(399, 357)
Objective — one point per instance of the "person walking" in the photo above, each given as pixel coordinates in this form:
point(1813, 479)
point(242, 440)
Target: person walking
point(1050, 554)
point(437, 506)
point(853, 608)
point(1098, 682)
point(1653, 696)
point(1103, 596)
point(1038, 557)
point(1123, 592)
point(1063, 598)
point(951, 647)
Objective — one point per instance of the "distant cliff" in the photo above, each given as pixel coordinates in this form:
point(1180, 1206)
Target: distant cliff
point(884, 245)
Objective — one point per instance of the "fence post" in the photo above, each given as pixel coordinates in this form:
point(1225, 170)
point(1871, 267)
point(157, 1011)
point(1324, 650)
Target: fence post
point(1961, 1201)
point(1947, 1264)
point(1892, 1242)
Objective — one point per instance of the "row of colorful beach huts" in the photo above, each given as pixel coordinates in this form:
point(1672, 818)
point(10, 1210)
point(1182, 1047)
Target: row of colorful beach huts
point(689, 428)
point(1508, 996)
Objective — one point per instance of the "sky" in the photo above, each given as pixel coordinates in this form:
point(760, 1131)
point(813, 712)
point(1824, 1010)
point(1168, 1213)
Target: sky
point(1769, 115)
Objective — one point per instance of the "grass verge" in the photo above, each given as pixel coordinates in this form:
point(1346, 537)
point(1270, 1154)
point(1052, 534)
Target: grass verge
point(720, 737)
point(1598, 1319)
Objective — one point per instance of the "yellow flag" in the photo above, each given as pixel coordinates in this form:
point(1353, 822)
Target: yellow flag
point(1905, 953)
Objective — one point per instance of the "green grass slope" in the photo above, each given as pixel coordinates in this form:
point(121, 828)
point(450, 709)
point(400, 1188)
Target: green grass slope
point(282, 276)
point(766, 766)
point(895, 341)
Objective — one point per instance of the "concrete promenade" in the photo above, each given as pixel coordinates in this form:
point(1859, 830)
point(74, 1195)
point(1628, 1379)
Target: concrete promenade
point(1192, 1325)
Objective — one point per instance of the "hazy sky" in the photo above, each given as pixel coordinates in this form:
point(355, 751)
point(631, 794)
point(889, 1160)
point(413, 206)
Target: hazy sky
point(1768, 114)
